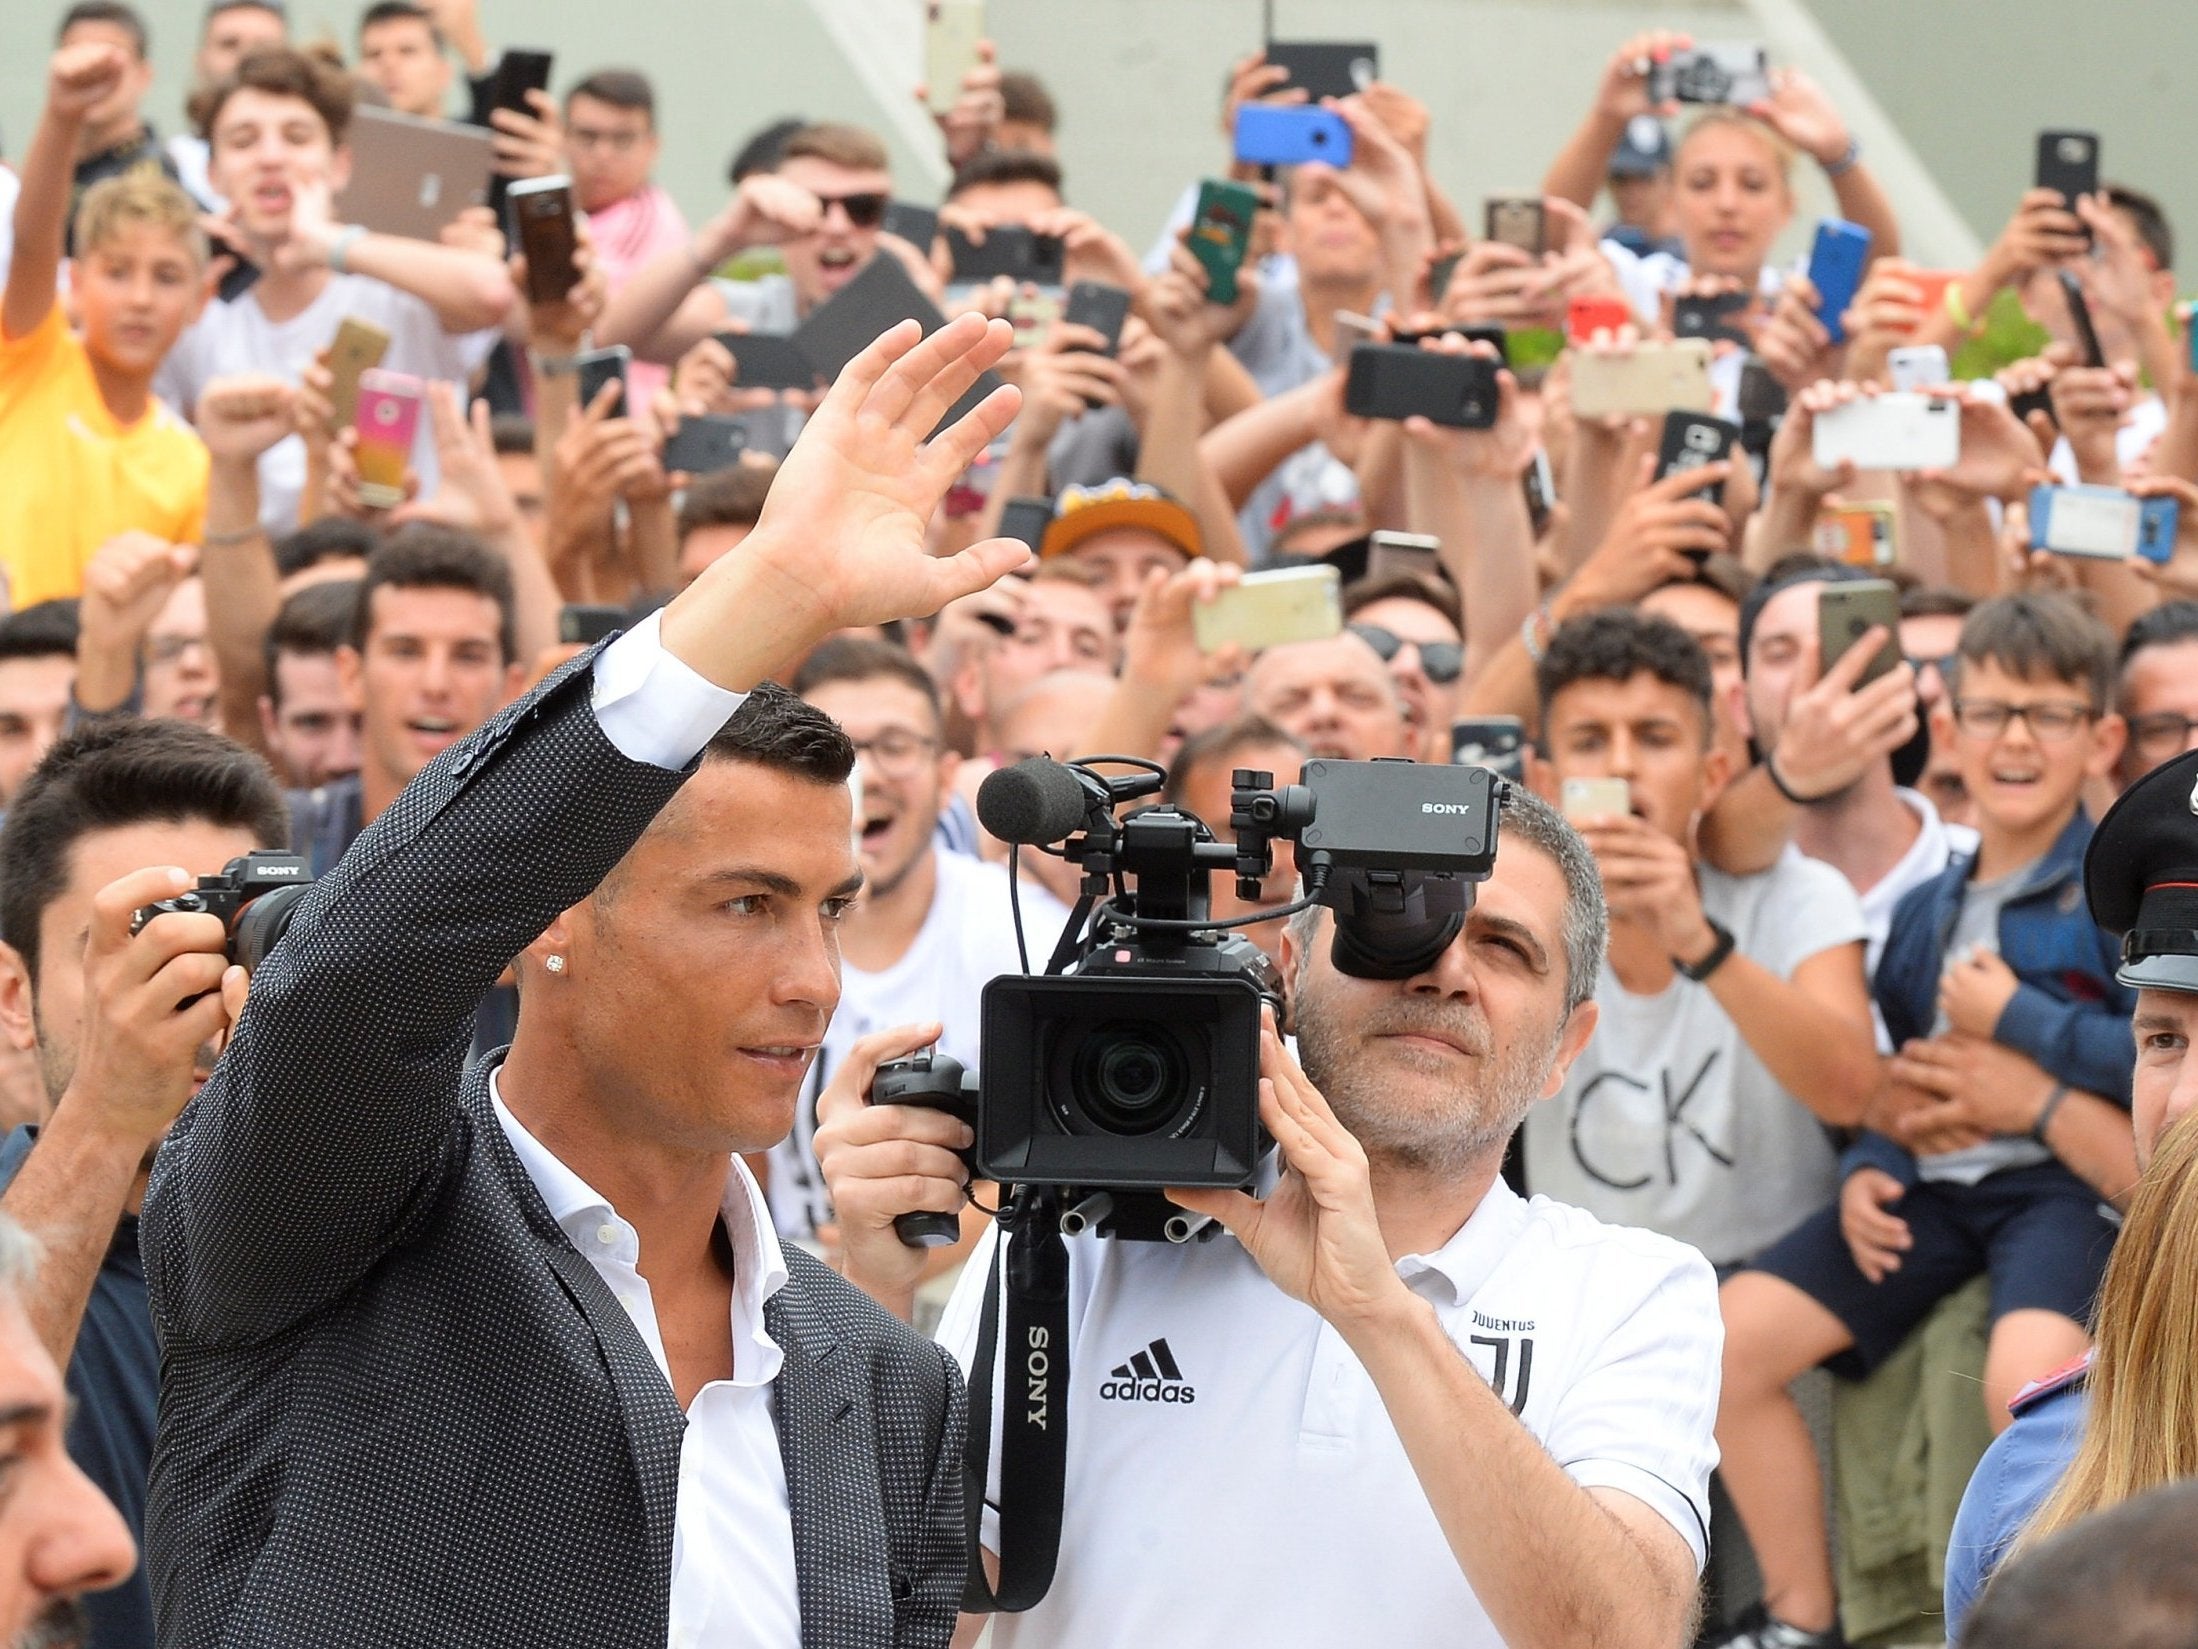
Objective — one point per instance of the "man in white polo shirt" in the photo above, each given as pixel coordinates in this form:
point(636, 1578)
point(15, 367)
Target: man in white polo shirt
point(1395, 1403)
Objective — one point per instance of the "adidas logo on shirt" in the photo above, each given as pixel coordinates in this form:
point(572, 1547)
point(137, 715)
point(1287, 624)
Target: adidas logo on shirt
point(1149, 1377)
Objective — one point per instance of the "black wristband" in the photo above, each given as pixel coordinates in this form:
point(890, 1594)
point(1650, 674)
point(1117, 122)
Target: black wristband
point(1779, 784)
point(1719, 954)
point(2045, 1112)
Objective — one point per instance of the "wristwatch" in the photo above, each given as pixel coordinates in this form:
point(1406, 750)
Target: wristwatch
point(1700, 971)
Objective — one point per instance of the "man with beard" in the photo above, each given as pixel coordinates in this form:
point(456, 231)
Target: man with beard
point(1396, 1392)
point(124, 1027)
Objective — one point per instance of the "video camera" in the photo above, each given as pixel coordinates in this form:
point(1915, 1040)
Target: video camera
point(255, 896)
point(1132, 1064)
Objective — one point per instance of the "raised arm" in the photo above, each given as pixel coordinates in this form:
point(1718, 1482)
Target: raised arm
point(76, 81)
point(239, 419)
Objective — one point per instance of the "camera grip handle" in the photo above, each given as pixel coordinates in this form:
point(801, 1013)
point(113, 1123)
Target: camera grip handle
point(927, 1230)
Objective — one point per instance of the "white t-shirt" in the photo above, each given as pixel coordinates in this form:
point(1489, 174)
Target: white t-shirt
point(967, 940)
point(1252, 1489)
point(1668, 1119)
point(238, 337)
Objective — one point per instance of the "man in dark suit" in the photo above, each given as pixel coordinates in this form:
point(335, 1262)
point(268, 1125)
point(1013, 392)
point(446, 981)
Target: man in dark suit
point(400, 1405)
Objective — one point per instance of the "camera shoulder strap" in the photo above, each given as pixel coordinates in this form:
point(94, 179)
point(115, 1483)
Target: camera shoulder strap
point(1034, 1415)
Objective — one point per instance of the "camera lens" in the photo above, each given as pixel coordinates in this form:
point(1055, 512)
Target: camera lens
point(260, 925)
point(1128, 1078)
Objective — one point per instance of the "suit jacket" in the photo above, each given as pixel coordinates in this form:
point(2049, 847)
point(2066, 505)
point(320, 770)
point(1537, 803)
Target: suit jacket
point(397, 1407)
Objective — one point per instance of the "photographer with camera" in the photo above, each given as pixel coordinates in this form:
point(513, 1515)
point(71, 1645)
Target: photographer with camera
point(125, 1026)
point(1395, 1390)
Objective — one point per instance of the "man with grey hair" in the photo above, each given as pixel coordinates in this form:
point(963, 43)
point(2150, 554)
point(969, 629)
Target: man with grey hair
point(1396, 1391)
point(59, 1536)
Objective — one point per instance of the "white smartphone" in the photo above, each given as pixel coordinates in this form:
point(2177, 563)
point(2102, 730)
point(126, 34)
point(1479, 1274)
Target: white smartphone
point(1920, 366)
point(1899, 431)
point(1358, 329)
point(1596, 799)
point(1270, 608)
point(952, 31)
point(1642, 382)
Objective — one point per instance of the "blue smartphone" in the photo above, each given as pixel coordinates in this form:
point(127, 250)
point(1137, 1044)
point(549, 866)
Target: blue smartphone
point(2103, 523)
point(1272, 135)
point(1836, 262)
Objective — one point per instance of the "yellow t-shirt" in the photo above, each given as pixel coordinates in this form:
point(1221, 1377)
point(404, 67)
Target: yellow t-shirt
point(71, 477)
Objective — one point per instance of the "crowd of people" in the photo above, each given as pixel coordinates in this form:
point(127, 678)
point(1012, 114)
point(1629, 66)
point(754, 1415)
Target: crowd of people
point(509, 1255)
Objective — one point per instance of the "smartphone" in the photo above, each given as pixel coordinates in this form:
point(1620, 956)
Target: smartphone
point(2103, 523)
point(2069, 162)
point(1389, 554)
point(1762, 398)
point(388, 420)
point(1920, 366)
point(1584, 317)
point(705, 442)
point(1836, 263)
point(1691, 440)
point(1931, 285)
point(917, 225)
point(358, 347)
point(1844, 611)
point(596, 367)
point(1648, 381)
point(239, 278)
point(1517, 220)
point(1540, 488)
point(1026, 519)
point(1901, 430)
point(2079, 316)
point(1497, 743)
point(1713, 72)
point(1099, 306)
point(1270, 608)
point(542, 209)
point(1397, 381)
point(1582, 799)
point(1711, 317)
point(1221, 235)
point(951, 33)
point(1274, 134)
point(583, 624)
point(1439, 273)
point(519, 70)
point(768, 360)
point(1861, 535)
point(1007, 249)
point(1326, 68)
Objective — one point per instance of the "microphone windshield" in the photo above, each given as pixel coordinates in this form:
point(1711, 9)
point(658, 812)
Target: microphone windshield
point(1035, 802)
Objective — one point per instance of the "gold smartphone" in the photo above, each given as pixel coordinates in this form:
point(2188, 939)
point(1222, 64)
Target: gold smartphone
point(1596, 799)
point(1642, 382)
point(1267, 609)
point(358, 347)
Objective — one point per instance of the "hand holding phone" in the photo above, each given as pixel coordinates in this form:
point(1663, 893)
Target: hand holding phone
point(1221, 235)
point(1846, 612)
point(1268, 609)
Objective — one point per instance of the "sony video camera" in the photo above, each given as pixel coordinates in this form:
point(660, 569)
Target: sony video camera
point(1132, 1064)
point(255, 896)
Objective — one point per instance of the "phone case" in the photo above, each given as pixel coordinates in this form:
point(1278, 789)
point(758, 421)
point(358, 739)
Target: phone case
point(596, 367)
point(1418, 555)
point(388, 421)
point(1399, 381)
point(543, 210)
point(1584, 317)
point(1270, 608)
point(1099, 306)
point(1025, 520)
point(1692, 440)
point(2104, 523)
point(1898, 431)
point(1762, 397)
point(358, 347)
point(1836, 263)
point(1595, 799)
point(583, 624)
point(1713, 72)
point(1221, 235)
point(704, 443)
point(1327, 68)
point(950, 49)
point(1007, 249)
point(2069, 162)
point(1844, 611)
point(1517, 220)
point(1861, 535)
point(1270, 134)
point(1922, 366)
point(518, 72)
point(768, 360)
point(1649, 380)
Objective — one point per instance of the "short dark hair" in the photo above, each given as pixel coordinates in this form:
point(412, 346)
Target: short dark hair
point(838, 143)
point(399, 11)
point(46, 629)
point(331, 538)
point(730, 497)
point(774, 728)
point(1727, 574)
point(1935, 601)
point(2120, 1577)
point(861, 658)
point(284, 71)
point(1006, 166)
point(1225, 743)
point(1438, 593)
point(126, 18)
point(627, 89)
point(512, 435)
point(424, 556)
point(763, 149)
point(2038, 635)
point(110, 774)
point(1024, 98)
point(317, 620)
point(2166, 624)
point(1618, 644)
point(2148, 218)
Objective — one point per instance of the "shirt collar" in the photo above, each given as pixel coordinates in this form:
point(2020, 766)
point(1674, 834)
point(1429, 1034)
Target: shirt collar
point(1464, 1262)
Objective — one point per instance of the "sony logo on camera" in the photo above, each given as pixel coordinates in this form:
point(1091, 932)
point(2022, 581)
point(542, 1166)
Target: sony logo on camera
point(1447, 807)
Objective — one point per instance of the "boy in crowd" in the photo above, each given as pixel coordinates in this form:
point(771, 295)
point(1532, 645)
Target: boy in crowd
point(401, 55)
point(1998, 948)
point(232, 31)
point(1734, 1020)
point(307, 719)
point(86, 451)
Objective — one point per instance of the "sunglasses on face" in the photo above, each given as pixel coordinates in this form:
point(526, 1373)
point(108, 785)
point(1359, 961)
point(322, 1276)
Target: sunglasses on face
point(865, 211)
point(1442, 660)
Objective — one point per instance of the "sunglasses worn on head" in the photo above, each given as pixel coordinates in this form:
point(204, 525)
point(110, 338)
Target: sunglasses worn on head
point(863, 211)
point(1442, 660)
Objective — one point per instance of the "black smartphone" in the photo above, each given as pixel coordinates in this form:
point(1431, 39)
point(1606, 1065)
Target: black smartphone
point(1495, 742)
point(1025, 520)
point(596, 367)
point(768, 360)
point(2069, 162)
point(1327, 68)
point(519, 70)
point(875, 301)
point(541, 209)
point(1762, 397)
point(1396, 381)
point(1691, 440)
point(705, 442)
point(2034, 400)
point(241, 276)
point(917, 225)
point(583, 624)
point(1099, 306)
point(1712, 317)
point(1439, 273)
point(1540, 488)
point(1007, 249)
point(1517, 220)
point(2079, 315)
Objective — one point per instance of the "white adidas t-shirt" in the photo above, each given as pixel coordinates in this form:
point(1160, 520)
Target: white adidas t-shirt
point(238, 337)
point(1667, 1119)
point(967, 940)
point(1233, 1477)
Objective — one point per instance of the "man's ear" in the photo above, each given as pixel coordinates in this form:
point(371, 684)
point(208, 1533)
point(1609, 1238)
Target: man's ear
point(350, 670)
point(968, 687)
point(268, 724)
point(1578, 1028)
point(1716, 774)
point(18, 1020)
point(2108, 735)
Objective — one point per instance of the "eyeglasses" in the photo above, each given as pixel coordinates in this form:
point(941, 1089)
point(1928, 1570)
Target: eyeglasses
point(619, 142)
point(1943, 664)
point(2162, 733)
point(1442, 660)
point(896, 751)
point(170, 649)
point(2049, 723)
point(864, 211)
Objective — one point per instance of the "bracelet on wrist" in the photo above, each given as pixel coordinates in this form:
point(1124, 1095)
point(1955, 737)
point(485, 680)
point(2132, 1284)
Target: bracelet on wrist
point(1536, 632)
point(1779, 784)
point(340, 244)
point(1845, 161)
point(2045, 1112)
point(1719, 953)
point(1957, 307)
point(228, 540)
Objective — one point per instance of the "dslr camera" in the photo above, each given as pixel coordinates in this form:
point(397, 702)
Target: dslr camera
point(1132, 1064)
point(255, 896)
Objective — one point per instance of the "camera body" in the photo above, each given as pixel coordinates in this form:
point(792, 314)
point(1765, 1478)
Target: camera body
point(255, 896)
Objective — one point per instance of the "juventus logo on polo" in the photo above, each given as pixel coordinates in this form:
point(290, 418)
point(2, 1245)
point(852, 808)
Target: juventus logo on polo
point(1149, 1377)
